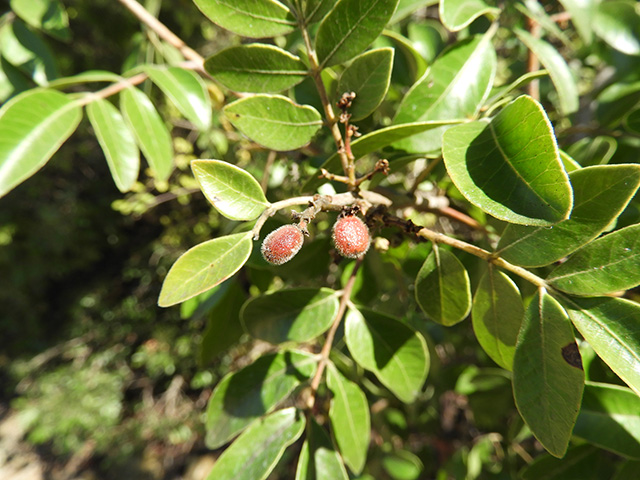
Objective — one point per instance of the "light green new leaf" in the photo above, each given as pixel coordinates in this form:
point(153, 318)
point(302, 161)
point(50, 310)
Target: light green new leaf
point(350, 28)
point(205, 266)
point(231, 190)
point(497, 314)
point(274, 121)
point(618, 24)
point(612, 328)
point(256, 68)
point(601, 193)
point(47, 15)
point(443, 288)
point(547, 374)
point(243, 396)
point(117, 143)
point(454, 87)
point(510, 167)
point(368, 76)
point(318, 458)
point(33, 125)
point(457, 14)
point(256, 452)
point(150, 131)
point(395, 353)
point(291, 315)
point(250, 18)
point(558, 69)
point(349, 414)
point(607, 265)
point(187, 91)
point(610, 418)
point(373, 141)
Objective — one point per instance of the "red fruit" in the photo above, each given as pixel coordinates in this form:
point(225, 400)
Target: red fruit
point(351, 237)
point(282, 244)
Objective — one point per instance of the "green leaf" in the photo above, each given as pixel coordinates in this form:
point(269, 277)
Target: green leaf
point(454, 87)
point(274, 121)
point(150, 131)
point(626, 470)
point(373, 141)
point(33, 125)
point(230, 189)
point(457, 14)
point(610, 418)
point(547, 374)
point(442, 288)
point(402, 465)
point(318, 459)
point(601, 193)
point(497, 314)
point(593, 150)
point(250, 18)
point(117, 142)
point(618, 24)
point(187, 91)
point(295, 314)
point(607, 265)
point(407, 7)
point(536, 12)
point(581, 462)
point(205, 266)
point(416, 65)
point(256, 68)
point(350, 28)
point(255, 453)
point(559, 72)
point(89, 76)
point(368, 76)
point(610, 326)
point(632, 121)
point(47, 15)
point(510, 167)
point(395, 353)
point(243, 396)
point(582, 13)
point(316, 10)
point(349, 414)
point(26, 51)
point(503, 92)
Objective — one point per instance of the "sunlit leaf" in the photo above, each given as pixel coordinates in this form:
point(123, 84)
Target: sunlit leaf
point(47, 15)
point(26, 51)
point(318, 458)
point(618, 24)
point(457, 14)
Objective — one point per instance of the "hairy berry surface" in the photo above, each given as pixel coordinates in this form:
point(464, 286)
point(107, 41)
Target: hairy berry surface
point(351, 237)
point(282, 244)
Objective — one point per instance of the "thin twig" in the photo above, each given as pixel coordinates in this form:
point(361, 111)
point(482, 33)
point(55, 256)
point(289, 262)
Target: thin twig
point(264, 182)
point(112, 89)
point(533, 64)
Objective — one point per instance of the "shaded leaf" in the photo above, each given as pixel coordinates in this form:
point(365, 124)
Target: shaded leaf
point(315, 10)
point(26, 51)
point(457, 14)
point(318, 459)
point(243, 396)
point(581, 462)
point(407, 7)
point(618, 24)
point(234, 192)
point(47, 15)
point(28, 141)
point(593, 150)
point(205, 266)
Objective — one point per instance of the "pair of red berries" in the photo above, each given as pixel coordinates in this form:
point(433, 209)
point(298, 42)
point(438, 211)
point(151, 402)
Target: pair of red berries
point(350, 237)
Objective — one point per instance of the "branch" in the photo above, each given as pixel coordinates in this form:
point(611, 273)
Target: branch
point(533, 64)
point(112, 89)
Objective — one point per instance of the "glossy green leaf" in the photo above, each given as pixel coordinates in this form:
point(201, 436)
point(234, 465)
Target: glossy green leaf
point(497, 314)
point(187, 91)
point(318, 458)
point(349, 414)
point(407, 7)
point(350, 27)
point(518, 83)
point(395, 353)
point(316, 10)
point(558, 69)
point(231, 190)
point(150, 131)
point(610, 418)
point(607, 265)
point(291, 315)
point(274, 121)
point(117, 143)
point(510, 167)
point(416, 65)
point(454, 87)
point(26, 51)
point(256, 68)
point(28, 141)
point(248, 394)
point(581, 462)
point(256, 452)
point(368, 76)
point(205, 266)
point(47, 15)
point(373, 141)
point(610, 326)
point(547, 374)
point(600, 194)
point(618, 24)
point(250, 18)
point(457, 14)
point(443, 288)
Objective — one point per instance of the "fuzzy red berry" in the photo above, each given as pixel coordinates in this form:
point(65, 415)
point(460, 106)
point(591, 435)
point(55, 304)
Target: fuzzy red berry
point(282, 244)
point(351, 237)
